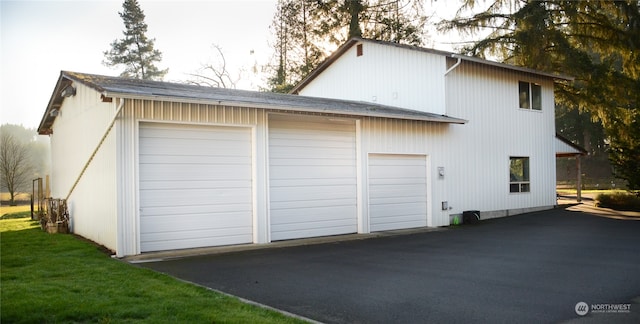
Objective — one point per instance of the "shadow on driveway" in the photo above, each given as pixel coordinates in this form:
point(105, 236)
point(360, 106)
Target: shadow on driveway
point(528, 268)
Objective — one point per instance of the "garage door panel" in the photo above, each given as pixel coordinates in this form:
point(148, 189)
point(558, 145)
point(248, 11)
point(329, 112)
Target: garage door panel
point(195, 186)
point(166, 197)
point(388, 210)
point(399, 200)
point(212, 238)
point(175, 147)
point(225, 220)
point(275, 183)
point(300, 204)
point(311, 194)
point(315, 172)
point(312, 177)
point(210, 159)
point(310, 228)
point(194, 172)
point(164, 132)
point(397, 191)
point(199, 184)
point(396, 171)
point(314, 214)
point(175, 210)
point(308, 151)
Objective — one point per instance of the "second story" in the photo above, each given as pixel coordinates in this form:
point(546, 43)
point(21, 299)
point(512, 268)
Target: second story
point(428, 80)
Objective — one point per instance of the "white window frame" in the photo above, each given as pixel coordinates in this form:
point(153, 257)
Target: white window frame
point(533, 94)
point(523, 185)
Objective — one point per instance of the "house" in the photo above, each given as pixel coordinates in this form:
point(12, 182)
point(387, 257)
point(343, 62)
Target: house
point(380, 137)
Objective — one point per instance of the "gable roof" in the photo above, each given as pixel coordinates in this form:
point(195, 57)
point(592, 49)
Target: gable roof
point(350, 43)
point(127, 88)
point(566, 148)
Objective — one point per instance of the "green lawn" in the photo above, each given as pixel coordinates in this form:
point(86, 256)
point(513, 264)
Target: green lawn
point(59, 278)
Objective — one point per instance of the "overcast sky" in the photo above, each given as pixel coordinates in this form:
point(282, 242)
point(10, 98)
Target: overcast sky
point(41, 38)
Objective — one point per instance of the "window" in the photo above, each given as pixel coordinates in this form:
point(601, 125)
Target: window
point(530, 95)
point(519, 174)
point(359, 50)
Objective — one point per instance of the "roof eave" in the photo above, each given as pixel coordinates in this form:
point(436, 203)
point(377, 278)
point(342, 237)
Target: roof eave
point(55, 102)
point(248, 104)
point(580, 149)
point(511, 67)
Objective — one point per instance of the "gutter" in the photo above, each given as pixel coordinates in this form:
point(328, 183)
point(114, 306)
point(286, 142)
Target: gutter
point(95, 151)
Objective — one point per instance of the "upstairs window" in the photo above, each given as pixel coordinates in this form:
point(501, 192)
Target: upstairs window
point(530, 95)
point(519, 174)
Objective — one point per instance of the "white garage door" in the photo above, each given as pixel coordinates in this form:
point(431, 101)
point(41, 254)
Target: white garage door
point(397, 191)
point(312, 176)
point(195, 186)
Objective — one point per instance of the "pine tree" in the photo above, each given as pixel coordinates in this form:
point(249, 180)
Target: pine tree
point(597, 42)
point(135, 51)
point(306, 31)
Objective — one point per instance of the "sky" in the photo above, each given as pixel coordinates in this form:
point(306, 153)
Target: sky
point(38, 39)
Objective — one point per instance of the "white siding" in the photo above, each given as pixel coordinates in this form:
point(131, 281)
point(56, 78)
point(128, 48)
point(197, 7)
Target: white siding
point(312, 177)
point(140, 111)
point(386, 75)
point(388, 136)
point(195, 186)
point(564, 148)
point(397, 191)
point(77, 130)
point(498, 129)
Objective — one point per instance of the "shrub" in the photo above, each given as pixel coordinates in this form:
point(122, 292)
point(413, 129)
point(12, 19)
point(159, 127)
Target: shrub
point(619, 201)
point(22, 214)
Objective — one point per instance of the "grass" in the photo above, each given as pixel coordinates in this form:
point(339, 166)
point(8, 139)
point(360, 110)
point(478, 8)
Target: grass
point(49, 278)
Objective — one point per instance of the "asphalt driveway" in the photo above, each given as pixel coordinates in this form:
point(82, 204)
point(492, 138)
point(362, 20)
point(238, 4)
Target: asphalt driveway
point(526, 268)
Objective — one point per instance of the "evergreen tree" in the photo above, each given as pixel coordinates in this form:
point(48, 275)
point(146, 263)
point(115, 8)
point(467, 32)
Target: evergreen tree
point(135, 51)
point(597, 42)
point(307, 31)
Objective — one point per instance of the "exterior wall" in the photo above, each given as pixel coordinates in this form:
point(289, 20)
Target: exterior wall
point(82, 122)
point(387, 136)
point(407, 78)
point(498, 129)
point(136, 111)
point(475, 156)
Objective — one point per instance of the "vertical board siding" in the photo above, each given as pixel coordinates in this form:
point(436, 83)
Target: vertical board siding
point(406, 137)
point(407, 78)
point(312, 177)
point(397, 191)
point(498, 129)
point(137, 111)
point(77, 131)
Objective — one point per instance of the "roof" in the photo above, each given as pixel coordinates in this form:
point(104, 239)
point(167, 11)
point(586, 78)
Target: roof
point(566, 148)
point(118, 87)
point(350, 43)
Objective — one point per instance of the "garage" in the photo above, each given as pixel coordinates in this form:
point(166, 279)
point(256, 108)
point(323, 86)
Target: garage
point(397, 191)
point(312, 176)
point(195, 186)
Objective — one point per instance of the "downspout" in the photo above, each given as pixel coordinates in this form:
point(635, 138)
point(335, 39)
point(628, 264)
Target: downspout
point(454, 66)
point(95, 151)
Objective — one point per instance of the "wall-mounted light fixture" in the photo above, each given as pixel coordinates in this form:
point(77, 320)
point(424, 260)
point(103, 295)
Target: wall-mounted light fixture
point(440, 172)
point(54, 112)
point(68, 91)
